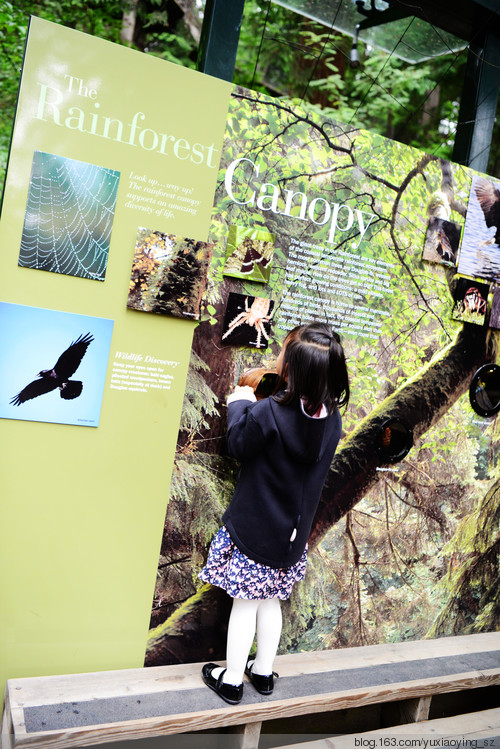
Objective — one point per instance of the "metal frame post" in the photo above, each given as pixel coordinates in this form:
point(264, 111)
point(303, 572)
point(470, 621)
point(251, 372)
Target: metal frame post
point(220, 34)
point(478, 102)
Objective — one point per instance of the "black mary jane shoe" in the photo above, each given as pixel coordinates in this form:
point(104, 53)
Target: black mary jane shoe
point(263, 684)
point(228, 692)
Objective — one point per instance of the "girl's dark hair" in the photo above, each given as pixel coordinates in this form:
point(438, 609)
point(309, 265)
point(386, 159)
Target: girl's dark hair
point(314, 368)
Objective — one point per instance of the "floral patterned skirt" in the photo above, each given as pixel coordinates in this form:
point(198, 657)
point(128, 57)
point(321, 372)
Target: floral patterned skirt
point(228, 568)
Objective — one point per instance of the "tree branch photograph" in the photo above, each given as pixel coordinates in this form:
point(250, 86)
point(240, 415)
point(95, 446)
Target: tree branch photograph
point(398, 550)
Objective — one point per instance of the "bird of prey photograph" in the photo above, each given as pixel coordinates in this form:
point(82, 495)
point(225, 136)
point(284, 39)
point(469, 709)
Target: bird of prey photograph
point(480, 250)
point(488, 195)
point(53, 365)
point(59, 375)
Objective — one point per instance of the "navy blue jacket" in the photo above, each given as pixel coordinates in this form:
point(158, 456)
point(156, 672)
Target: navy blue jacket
point(285, 456)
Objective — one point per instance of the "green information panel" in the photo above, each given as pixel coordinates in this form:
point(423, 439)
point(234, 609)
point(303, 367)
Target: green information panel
point(110, 147)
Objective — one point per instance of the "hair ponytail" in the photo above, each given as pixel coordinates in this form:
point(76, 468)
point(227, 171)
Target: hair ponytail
point(338, 371)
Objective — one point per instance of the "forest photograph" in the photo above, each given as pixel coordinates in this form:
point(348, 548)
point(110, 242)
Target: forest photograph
point(169, 274)
point(399, 550)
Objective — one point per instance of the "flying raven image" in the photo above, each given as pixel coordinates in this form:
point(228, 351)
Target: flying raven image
point(59, 375)
point(489, 200)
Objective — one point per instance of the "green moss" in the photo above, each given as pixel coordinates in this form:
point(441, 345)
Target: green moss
point(172, 627)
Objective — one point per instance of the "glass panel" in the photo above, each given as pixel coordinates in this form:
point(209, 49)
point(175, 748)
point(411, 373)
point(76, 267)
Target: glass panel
point(411, 39)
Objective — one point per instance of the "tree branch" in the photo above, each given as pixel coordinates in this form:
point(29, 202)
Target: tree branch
point(420, 402)
point(298, 118)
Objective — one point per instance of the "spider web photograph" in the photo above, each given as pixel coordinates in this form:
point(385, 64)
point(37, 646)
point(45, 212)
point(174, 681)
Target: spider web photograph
point(69, 217)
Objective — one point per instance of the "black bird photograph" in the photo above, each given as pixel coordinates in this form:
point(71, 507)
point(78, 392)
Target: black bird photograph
point(489, 199)
point(59, 375)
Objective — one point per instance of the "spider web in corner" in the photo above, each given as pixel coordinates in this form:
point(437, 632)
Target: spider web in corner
point(69, 217)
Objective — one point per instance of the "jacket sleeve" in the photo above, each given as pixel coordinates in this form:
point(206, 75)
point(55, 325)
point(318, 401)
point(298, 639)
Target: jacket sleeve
point(245, 436)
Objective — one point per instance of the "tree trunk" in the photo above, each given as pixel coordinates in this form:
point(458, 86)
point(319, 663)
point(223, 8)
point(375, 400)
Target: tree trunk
point(196, 632)
point(191, 18)
point(128, 24)
point(207, 343)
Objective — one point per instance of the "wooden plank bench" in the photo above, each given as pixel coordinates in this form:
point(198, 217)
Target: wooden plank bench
point(86, 709)
point(458, 731)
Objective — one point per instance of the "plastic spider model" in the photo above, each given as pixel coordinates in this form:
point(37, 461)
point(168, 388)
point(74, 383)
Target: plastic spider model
point(473, 302)
point(260, 312)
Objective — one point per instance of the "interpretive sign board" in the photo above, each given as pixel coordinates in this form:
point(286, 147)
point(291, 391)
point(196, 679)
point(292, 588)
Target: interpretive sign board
point(107, 141)
point(146, 204)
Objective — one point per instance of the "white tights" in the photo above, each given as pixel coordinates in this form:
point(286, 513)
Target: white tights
point(246, 617)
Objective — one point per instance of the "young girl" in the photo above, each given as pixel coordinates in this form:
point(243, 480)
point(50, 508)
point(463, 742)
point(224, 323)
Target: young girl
point(285, 445)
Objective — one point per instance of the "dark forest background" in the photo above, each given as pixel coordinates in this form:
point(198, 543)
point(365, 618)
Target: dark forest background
point(280, 53)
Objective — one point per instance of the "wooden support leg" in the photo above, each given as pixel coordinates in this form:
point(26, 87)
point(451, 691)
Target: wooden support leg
point(247, 736)
point(406, 711)
point(416, 710)
point(7, 733)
